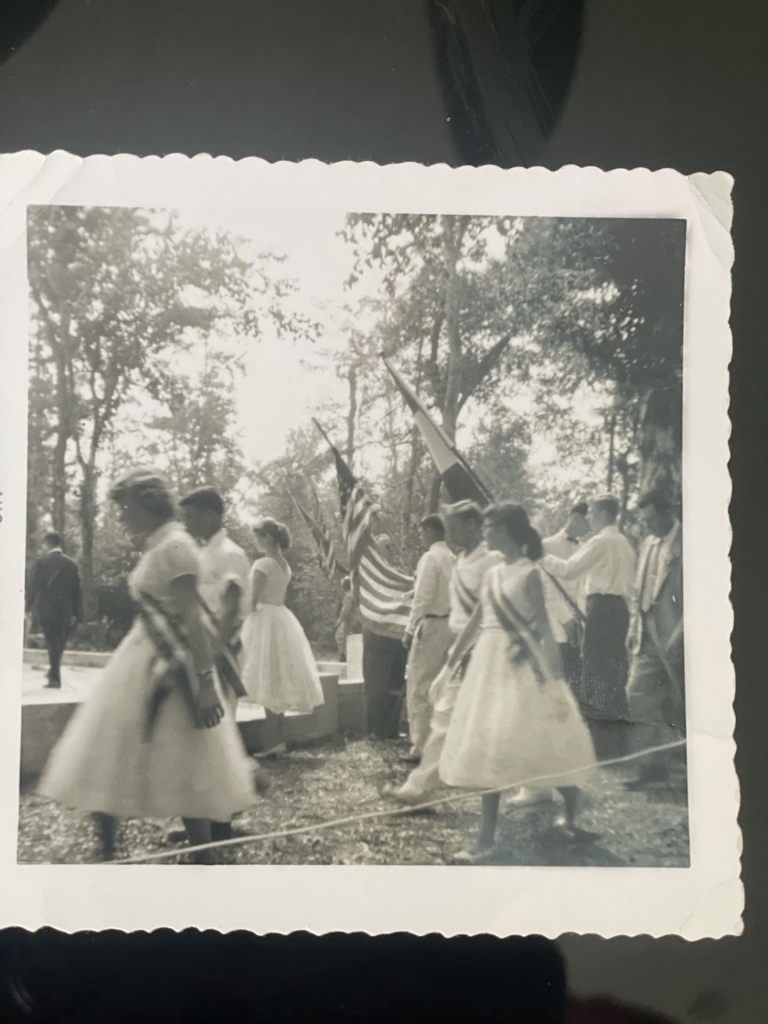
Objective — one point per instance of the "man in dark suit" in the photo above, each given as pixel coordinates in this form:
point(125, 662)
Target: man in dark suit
point(656, 690)
point(55, 585)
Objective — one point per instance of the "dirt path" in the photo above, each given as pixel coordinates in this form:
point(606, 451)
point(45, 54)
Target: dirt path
point(337, 779)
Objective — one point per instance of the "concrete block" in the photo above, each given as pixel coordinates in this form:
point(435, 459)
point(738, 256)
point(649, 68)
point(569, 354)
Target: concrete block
point(85, 659)
point(41, 726)
point(355, 656)
point(45, 713)
point(353, 712)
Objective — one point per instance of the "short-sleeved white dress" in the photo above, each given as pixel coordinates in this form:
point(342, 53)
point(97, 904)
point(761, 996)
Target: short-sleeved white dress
point(279, 669)
point(103, 762)
point(510, 724)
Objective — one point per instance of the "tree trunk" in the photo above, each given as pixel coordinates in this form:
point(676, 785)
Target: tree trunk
point(87, 530)
point(63, 422)
point(660, 442)
point(611, 451)
point(434, 493)
point(454, 228)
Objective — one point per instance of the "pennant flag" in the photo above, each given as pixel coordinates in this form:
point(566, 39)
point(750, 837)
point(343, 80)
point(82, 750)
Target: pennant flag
point(460, 481)
point(326, 552)
point(382, 593)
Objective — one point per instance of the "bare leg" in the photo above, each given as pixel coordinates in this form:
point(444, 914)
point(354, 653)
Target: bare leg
point(106, 827)
point(199, 832)
point(274, 730)
point(490, 817)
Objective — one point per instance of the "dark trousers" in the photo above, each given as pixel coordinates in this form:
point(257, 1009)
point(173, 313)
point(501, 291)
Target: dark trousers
point(56, 633)
point(570, 656)
point(602, 690)
point(384, 660)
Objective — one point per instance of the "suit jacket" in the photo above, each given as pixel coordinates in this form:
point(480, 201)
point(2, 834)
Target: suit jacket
point(665, 615)
point(55, 585)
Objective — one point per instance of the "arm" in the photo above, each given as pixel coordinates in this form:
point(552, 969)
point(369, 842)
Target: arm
point(465, 639)
point(77, 594)
point(184, 591)
point(258, 582)
point(231, 611)
point(35, 579)
point(575, 566)
point(423, 595)
point(534, 590)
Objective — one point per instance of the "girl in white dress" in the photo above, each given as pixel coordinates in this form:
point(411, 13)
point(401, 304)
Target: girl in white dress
point(279, 669)
point(515, 716)
point(155, 739)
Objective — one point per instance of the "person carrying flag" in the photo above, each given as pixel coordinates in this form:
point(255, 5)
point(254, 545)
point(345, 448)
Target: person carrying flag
point(464, 529)
point(427, 635)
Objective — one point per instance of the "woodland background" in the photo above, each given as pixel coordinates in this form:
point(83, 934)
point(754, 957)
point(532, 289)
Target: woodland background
point(550, 349)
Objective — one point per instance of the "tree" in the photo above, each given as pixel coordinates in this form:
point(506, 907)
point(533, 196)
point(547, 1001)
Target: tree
point(117, 293)
point(479, 307)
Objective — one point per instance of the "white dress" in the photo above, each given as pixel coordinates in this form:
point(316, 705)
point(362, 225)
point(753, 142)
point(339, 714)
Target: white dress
point(508, 725)
point(279, 669)
point(103, 762)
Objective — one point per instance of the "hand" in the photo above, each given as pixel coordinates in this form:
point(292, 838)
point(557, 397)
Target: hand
point(209, 709)
point(407, 641)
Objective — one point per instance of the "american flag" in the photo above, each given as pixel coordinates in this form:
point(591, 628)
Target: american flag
point(326, 552)
point(383, 594)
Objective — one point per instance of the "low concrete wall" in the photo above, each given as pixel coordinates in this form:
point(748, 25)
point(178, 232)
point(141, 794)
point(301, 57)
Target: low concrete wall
point(87, 659)
point(42, 723)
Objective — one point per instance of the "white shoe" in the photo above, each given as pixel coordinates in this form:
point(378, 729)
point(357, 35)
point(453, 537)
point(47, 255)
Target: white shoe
point(526, 797)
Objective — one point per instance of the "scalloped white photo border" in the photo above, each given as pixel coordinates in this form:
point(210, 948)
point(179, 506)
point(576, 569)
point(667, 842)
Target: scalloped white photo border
point(703, 900)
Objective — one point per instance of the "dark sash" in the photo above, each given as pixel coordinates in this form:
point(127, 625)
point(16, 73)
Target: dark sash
point(467, 598)
point(227, 662)
point(171, 666)
point(524, 646)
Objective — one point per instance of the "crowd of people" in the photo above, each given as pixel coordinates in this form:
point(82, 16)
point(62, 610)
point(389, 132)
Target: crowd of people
point(522, 659)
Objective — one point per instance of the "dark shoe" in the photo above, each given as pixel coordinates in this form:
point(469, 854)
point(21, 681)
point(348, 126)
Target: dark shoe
point(53, 684)
point(411, 758)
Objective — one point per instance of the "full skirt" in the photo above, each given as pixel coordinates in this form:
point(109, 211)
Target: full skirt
point(279, 669)
point(508, 727)
point(103, 763)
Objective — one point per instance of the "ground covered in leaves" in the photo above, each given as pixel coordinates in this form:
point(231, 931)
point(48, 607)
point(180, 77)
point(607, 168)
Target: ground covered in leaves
point(341, 779)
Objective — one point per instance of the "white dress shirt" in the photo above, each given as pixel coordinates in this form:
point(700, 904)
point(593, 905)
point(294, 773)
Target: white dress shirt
point(559, 610)
point(466, 580)
point(431, 591)
point(606, 562)
point(221, 562)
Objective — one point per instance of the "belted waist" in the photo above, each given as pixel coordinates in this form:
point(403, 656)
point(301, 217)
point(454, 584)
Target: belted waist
point(437, 616)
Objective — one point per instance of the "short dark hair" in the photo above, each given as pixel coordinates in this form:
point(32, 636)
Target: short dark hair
point(346, 584)
point(658, 498)
point(206, 498)
point(469, 511)
point(435, 523)
point(581, 508)
point(52, 539)
point(609, 504)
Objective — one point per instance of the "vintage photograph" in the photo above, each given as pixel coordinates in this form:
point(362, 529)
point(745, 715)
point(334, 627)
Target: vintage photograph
point(354, 539)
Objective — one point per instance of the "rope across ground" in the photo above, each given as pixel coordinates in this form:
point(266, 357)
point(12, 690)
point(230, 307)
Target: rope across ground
point(328, 797)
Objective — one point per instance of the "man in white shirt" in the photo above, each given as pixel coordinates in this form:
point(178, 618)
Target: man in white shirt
point(427, 635)
point(656, 687)
point(606, 565)
point(221, 585)
point(565, 598)
point(464, 526)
